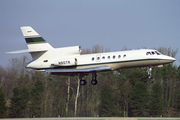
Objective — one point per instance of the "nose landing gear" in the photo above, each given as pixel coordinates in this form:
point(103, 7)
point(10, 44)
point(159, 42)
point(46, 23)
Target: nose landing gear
point(149, 72)
point(94, 81)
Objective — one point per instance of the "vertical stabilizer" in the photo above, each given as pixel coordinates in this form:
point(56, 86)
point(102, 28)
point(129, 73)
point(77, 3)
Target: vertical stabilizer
point(35, 42)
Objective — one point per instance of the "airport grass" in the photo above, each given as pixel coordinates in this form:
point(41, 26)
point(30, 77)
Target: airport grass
point(117, 119)
point(158, 119)
point(95, 119)
point(120, 119)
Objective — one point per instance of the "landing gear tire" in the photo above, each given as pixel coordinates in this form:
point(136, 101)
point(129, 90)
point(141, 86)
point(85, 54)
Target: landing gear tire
point(150, 77)
point(83, 82)
point(94, 82)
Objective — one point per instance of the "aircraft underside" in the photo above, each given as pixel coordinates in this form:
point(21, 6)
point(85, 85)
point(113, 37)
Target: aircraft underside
point(93, 70)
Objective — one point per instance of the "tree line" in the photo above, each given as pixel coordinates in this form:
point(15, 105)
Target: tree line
point(123, 93)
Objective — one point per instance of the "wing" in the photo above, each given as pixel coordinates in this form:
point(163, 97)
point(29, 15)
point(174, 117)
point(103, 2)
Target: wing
point(83, 70)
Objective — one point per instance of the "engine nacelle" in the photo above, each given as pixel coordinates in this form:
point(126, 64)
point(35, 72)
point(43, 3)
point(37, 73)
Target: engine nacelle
point(70, 50)
point(66, 62)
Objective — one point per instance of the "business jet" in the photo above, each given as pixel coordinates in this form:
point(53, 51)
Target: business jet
point(69, 60)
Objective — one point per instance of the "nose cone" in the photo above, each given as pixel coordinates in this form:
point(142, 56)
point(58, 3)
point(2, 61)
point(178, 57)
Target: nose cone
point(167, 59)
point(26, 64)
point(171, 59)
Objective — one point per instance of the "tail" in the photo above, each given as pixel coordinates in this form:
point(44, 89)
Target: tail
point(36, 44)
point(34, 40)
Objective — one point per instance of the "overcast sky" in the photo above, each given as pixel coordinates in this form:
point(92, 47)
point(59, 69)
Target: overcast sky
point(110, 23)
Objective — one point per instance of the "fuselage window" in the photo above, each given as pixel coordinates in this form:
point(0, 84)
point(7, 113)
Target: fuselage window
point(108, 57)
point(124, 55)
point(103, 57)
point(98, 58)
point(114, 57)
point(119, 56)
point(93, 59)
point(45, 61)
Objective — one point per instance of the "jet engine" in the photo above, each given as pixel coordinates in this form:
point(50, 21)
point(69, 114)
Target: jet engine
point(70, 50)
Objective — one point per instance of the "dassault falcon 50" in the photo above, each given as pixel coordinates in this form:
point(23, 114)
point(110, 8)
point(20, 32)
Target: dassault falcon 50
point(69, 60)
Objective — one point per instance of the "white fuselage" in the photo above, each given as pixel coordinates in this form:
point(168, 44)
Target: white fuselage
point(68, 60)
point(115, 60)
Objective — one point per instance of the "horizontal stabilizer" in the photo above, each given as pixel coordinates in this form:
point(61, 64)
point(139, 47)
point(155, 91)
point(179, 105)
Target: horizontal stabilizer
point(93, 69)
point(26, 51)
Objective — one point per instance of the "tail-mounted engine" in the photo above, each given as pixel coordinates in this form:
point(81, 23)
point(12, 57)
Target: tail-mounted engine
point(74, 50)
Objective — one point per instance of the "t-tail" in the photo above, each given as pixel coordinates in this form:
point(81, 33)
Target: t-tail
point(36, 44)
point(34, 40)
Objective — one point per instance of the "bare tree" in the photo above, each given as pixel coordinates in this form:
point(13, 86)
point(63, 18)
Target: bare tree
point(76, 99)
point(68, 95)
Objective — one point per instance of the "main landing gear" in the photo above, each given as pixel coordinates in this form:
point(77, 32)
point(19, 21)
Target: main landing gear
point(83, 82)
point(93, 81)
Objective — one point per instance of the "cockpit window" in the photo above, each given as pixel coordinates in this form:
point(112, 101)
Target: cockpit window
point(148, 53)
point(157, 52)
point(153, 52)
